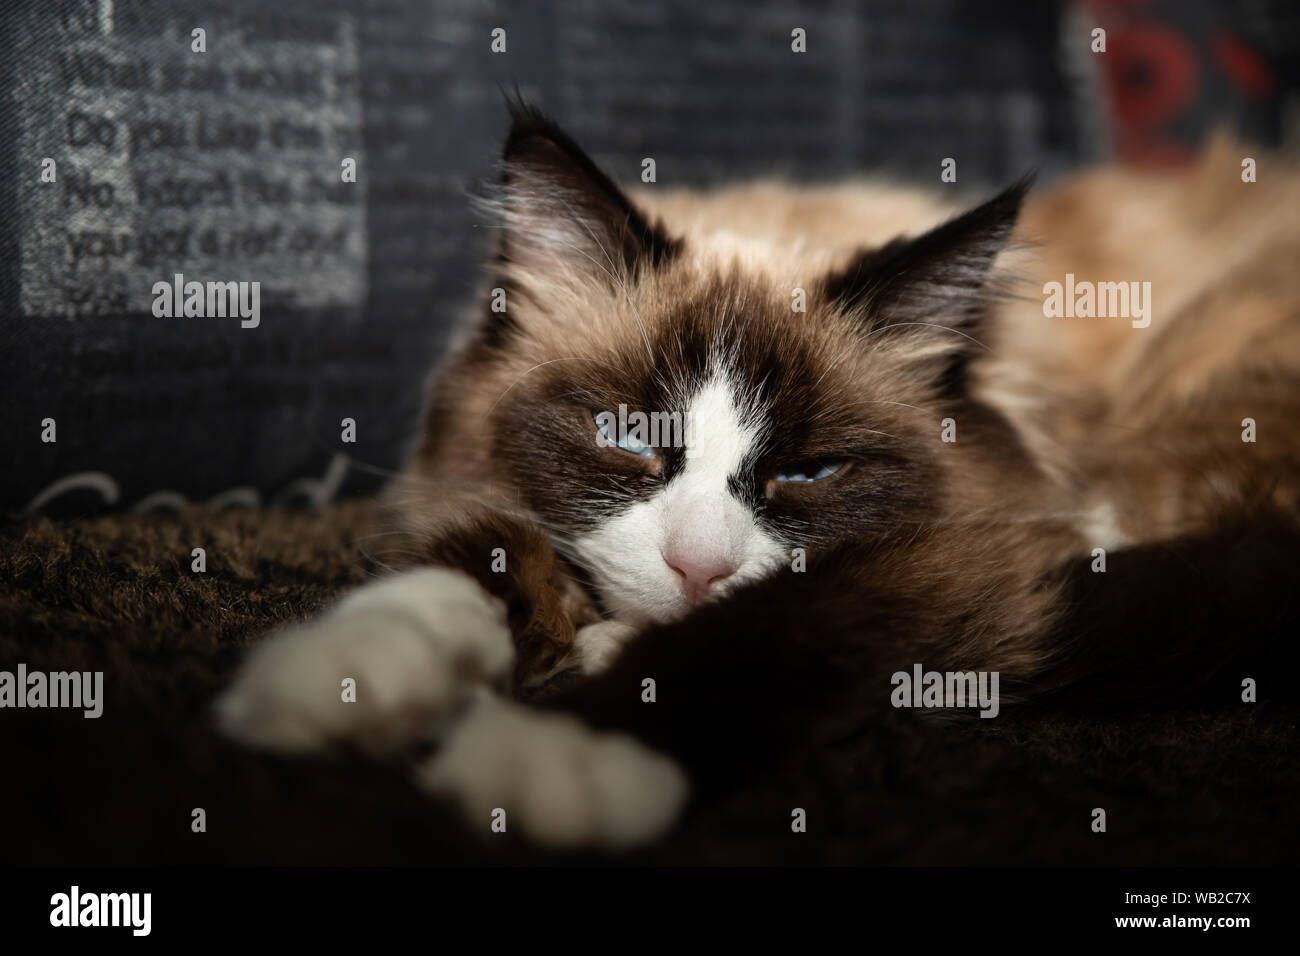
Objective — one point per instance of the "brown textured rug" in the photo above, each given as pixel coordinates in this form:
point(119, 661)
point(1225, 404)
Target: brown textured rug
point(117, 594)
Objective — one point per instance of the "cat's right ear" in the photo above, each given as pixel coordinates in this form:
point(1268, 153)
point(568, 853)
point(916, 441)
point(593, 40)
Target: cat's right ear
point(931, 291)
point(561, 217)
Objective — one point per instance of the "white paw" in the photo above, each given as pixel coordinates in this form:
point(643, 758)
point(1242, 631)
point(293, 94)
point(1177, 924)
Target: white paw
point(597, 646)
point(559, 782)
point(416, 645)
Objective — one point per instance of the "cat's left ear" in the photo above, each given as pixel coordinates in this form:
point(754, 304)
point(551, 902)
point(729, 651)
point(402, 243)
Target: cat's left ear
point(930, 291)
point(561, 215)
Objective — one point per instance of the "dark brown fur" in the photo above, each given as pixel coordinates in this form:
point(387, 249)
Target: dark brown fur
point(965, 556)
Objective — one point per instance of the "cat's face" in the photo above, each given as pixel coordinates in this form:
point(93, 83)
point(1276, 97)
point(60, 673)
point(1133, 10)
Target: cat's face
point(677, 424)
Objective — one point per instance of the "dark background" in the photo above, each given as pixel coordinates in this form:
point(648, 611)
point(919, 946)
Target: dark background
point(361, 290)
point(162, 410)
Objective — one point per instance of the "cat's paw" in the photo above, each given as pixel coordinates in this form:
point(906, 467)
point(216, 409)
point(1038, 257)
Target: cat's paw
point(559, 782)
point(416, 645)
point(597, 646)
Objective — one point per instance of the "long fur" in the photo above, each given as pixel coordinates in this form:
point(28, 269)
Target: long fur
point(1073, 435)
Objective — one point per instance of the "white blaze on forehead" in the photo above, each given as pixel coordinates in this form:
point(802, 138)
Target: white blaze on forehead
point(704, 522)
point(719, 436)
point(694, 517)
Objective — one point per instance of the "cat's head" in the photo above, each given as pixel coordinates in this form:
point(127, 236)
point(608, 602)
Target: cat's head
point(686, 413)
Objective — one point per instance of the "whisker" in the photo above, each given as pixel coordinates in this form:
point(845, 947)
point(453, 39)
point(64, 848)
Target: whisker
point(931, 325)
point(568, 358)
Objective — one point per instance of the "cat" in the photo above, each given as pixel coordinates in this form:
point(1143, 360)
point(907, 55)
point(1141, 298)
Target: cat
point(889, 457)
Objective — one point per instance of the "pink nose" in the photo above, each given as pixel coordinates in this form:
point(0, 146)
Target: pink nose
point(699, 575)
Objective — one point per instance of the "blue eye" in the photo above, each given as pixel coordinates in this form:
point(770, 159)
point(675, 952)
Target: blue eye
point(811, 470)
point(630, 441)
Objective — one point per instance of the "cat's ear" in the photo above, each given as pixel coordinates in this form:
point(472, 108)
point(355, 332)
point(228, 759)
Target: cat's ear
point(561, 216)
point(930, 291)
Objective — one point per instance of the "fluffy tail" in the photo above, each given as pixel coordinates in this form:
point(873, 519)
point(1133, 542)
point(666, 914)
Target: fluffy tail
point(1182, 622)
